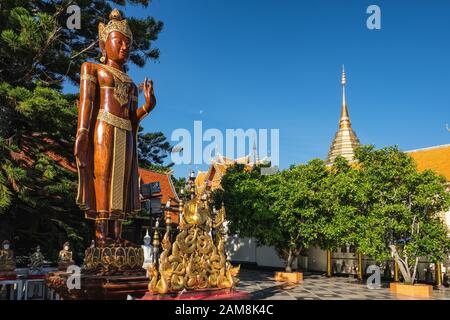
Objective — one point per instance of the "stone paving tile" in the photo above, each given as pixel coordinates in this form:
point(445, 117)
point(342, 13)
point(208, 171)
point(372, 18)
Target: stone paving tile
point(261, 285)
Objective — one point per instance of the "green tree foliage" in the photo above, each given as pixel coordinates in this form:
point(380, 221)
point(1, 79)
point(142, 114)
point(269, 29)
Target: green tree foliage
point(178, 183)
point(296, 196)
point(35, 43)
point(285, 210)
point(402, 208)
point(153, 149)
point(345, 203)
point(37, 205)
point(380, 204)
point(37, 122)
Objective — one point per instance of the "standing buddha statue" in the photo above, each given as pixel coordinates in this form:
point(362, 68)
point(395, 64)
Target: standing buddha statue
point(106, 140)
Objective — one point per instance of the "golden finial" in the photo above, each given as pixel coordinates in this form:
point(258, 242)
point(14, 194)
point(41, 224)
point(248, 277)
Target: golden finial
point(156, 235)
point(115, 15)
point(344, 80)
point(344, 112)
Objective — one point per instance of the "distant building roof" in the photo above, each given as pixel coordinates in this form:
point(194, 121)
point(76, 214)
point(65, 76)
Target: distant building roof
point(211, 179)
point(167, 188)
point(435, 158)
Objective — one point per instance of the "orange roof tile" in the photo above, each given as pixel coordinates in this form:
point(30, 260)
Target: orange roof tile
point(167, 188)
point(434, 158)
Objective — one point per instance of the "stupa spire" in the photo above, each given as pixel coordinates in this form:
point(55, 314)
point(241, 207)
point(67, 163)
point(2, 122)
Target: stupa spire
point(344, 112)
point(345, 140)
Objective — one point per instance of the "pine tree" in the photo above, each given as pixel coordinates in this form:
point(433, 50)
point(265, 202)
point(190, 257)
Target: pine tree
point(153, 149)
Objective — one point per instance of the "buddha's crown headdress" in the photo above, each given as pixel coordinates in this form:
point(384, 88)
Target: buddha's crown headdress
point(116, 23)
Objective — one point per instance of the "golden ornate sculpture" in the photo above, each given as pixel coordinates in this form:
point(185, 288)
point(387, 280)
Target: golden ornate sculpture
point(109, 260)
point(7, 261)
point(65, 257)
point(194, 260)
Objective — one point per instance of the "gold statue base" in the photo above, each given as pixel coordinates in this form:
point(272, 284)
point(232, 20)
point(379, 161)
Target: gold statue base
point(112, 260)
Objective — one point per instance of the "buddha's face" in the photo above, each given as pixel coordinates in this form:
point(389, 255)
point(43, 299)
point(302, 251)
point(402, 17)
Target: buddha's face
point(147, 241)
point(66, 248)
point(118, 47)
point(6, 246)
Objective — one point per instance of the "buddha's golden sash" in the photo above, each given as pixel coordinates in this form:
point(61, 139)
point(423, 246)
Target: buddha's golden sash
point(121, 126)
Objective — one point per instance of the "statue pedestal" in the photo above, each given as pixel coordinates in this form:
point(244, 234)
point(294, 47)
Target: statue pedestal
point(95, 287)
point(204, 294)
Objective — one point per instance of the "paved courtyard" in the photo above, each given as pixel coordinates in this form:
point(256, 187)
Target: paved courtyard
point(261, 285)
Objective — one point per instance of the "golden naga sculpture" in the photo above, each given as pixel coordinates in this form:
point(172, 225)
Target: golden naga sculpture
point(196, 259)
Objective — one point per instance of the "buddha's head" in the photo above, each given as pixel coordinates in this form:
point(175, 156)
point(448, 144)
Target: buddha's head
point(147, 239)
point(115, 39)
point(6, 245)
point(66, 246)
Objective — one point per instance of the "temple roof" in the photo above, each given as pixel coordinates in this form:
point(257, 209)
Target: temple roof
point(435, 158)
point(212, 178)
point(167, 189)
point(345, 141)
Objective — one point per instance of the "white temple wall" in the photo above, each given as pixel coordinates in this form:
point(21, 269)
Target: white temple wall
point(268, 257)
point(241, 249)
point(246, 250)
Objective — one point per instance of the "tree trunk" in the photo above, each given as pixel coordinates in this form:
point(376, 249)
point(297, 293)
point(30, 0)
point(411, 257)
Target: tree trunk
point(403, 266)
point(289, 260)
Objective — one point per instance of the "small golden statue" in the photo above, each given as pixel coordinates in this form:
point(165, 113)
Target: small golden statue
point(65, 257)
point(195, 260)
point(7, 261)
point(37, 261)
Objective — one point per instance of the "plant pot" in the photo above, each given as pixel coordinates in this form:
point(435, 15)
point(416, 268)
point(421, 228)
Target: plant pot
point(416, 290)
point(291, 277)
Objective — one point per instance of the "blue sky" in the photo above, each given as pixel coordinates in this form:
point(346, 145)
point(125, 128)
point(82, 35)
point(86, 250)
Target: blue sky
point(277, 64)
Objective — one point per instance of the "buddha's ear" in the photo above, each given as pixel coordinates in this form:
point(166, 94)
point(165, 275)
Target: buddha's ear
point(101, 44)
